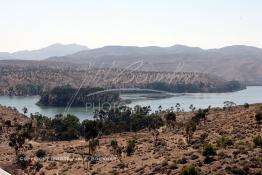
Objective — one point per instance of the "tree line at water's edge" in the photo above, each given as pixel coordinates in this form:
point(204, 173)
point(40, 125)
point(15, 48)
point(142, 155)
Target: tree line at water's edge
point(34, 89)
point(229, 86)
point(117, 120)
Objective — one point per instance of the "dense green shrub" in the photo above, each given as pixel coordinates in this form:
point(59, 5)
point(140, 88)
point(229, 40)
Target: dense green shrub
point(66, 127)
point(130, 148)
point(209, 150)
point(89, 129)
point(170, 118)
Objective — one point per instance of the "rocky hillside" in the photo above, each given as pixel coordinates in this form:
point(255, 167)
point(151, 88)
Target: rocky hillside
point(223, 143)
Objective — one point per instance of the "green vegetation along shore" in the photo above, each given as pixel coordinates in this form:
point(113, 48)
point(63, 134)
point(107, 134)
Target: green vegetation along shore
point(65, 95)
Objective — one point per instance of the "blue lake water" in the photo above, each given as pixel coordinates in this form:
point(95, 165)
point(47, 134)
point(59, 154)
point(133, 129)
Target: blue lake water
point(252, 94)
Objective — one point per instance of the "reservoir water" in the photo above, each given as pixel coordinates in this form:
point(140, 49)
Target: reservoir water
point(253, 94)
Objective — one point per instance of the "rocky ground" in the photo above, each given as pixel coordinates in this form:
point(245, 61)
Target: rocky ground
point(170, 154)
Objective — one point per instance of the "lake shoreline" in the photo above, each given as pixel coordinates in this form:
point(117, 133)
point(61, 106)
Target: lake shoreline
point(200, 100)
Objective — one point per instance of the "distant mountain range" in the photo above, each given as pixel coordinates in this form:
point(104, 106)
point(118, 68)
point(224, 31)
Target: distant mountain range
point(236, 62)
point(50, 51)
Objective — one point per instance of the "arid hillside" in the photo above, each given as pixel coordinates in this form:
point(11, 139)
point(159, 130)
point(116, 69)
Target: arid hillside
point(223, 143)
point(34, 76)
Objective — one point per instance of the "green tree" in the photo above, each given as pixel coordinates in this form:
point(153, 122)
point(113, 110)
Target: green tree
point(17, 140)
point(170, 118)
point(90, 133)
point(66, 127)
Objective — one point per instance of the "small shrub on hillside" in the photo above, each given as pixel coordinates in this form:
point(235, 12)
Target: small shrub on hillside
point(8, 123)
point(119, 152)
point(22, 161)
point(246, 105)
point(190, 170)
point(93, 144)
point(258, 141)
point(258, 117)
point(114, 144)
point(203, 137)
point(40, 153)
point(37, 166)
point(209, 150)
point(130, 148)
point(224, 142)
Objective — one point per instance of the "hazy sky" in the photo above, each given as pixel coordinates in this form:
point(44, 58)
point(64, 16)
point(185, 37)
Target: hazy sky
point(31, 24)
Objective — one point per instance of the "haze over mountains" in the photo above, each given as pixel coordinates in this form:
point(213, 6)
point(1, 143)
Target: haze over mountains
point(237, 62)
point(40, 54)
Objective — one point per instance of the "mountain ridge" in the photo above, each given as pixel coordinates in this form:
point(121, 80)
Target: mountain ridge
point(237, 62)
point(56, 49)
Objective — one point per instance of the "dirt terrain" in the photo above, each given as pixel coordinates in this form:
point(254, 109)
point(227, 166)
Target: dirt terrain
point(168, 156)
